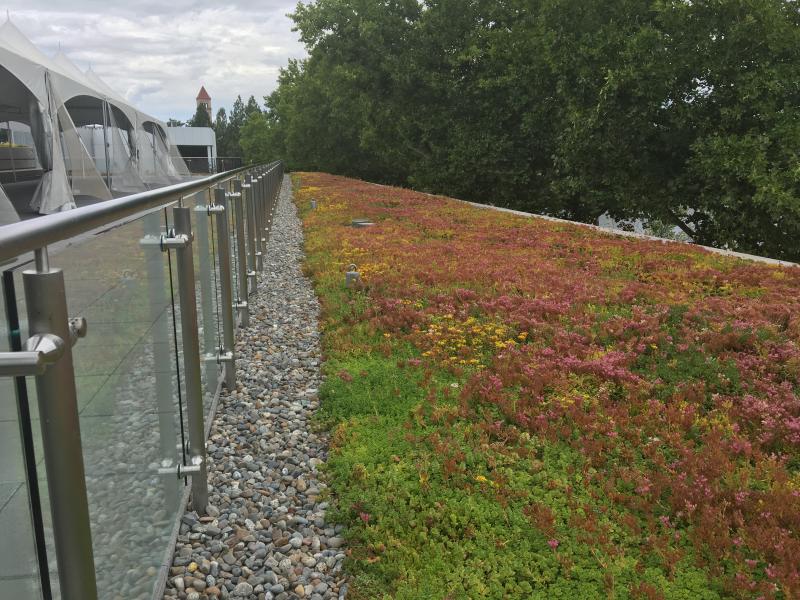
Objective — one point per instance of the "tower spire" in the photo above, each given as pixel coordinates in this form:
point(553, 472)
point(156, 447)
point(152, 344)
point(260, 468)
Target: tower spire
point(205, 100)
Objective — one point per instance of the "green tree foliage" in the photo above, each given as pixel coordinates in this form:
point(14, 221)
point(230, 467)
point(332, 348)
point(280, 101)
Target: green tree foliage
point(221, 128)
point(685, 113)
point(229, 129)
point(256, 140)
point(238, 115)
point(236, 120)
point(200, 118)
point(251, 107)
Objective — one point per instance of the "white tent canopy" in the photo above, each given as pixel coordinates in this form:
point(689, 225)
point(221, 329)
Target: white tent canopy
point(81, 139)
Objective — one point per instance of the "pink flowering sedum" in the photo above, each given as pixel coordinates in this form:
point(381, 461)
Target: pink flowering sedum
point(672, 372)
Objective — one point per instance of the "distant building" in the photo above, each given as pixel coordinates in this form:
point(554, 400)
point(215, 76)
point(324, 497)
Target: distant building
point(197, 146)
point(204, 100)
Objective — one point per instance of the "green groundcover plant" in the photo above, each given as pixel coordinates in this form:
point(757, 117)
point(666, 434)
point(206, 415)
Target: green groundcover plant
point(523, 408)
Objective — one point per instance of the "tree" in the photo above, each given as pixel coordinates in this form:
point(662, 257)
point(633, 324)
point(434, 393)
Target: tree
point(256, 140)
point(251, 107)
point(236, 121)
point(221, 131)
point(684, 113)
point(200, 118)
point(238, 114)
point(175, 123)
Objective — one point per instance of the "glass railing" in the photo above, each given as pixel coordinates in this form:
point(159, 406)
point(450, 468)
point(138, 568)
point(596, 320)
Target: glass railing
point(19, 559)
point(137, 398)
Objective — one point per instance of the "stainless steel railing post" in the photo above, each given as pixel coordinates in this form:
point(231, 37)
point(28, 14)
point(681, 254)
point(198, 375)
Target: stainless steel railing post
point(247, 197)
point(206, 291)
point(241, 255)
point(61, 438)
point(259, 195)
point(226, 296)
point(262, 183)
point(274, 187)
point(278, 184)
point(271, 196)
point(191, 356)
point(256, 191)
point(256, 181)
point(258, 209)
point(268, 193)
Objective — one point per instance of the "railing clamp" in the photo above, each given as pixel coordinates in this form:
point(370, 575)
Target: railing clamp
point(218, 357)
point(77, 329)
point(168, 241)
point(210, 208)
point(181, 470)
point(173, 240)
point(40, 350)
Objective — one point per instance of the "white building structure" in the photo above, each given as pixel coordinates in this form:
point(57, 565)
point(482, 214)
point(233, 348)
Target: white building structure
point(193, 143)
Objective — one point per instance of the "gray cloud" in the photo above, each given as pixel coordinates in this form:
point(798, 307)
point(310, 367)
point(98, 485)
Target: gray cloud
point(158, 54)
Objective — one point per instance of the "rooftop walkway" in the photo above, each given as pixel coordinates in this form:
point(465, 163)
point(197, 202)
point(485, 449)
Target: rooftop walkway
point(266, 535)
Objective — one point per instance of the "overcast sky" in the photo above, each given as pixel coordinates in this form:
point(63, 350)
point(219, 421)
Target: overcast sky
point(157, 53)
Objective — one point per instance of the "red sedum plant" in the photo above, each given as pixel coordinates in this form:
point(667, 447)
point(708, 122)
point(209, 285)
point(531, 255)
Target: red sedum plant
point(671, 371)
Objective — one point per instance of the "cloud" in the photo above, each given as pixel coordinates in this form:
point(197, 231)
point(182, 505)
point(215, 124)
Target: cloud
point(157, 54)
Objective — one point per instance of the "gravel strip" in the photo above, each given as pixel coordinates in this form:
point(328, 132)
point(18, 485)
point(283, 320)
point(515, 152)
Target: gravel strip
point(266, 535)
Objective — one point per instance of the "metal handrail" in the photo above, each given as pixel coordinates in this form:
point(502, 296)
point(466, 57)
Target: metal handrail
point(254, 193)
point(28, 236)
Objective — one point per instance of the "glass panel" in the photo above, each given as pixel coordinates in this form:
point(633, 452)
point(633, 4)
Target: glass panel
point(19, 570)
point(207, 283)
point(127, 399)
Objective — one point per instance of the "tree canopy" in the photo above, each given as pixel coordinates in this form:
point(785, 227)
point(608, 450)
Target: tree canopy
point(200, 118)
point(681, 112)
point(229, 128)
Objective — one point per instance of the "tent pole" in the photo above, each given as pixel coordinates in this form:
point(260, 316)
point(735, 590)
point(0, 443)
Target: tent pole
point(80, 142)
point(105, 145)
point(11, 150)
point(94, 147)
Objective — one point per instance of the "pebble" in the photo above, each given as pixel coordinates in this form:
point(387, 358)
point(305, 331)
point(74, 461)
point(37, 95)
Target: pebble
point(266, 535)
point(243, 589)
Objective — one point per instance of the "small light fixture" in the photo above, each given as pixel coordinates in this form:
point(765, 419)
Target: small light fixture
point(352, 278)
